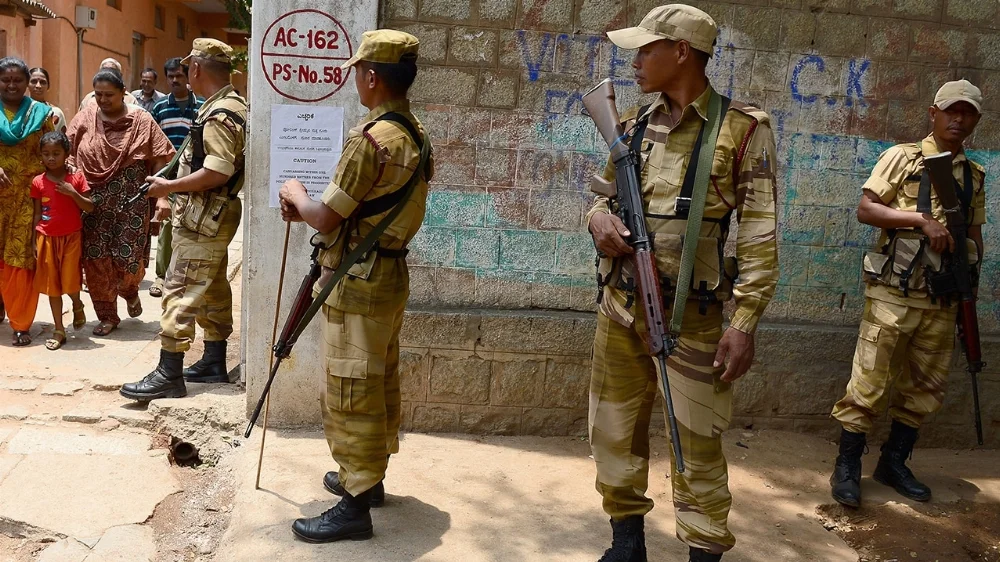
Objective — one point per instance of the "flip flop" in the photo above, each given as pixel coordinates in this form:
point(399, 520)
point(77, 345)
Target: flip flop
point(134, 308)
point(21, 338)
point(57, 340)
point(79, 317)
point(104, 328)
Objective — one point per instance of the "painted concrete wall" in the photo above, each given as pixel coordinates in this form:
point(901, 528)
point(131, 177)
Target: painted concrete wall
point(52, 44)
point(501, 322)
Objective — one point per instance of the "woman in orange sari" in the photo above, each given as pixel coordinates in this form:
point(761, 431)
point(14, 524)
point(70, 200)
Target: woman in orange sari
point(22, 126)
point(116, 146)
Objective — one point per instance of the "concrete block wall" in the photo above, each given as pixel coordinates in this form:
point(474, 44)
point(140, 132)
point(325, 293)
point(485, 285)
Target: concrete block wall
point(504, 247)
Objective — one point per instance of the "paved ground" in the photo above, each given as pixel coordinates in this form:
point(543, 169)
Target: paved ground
point(86, 476)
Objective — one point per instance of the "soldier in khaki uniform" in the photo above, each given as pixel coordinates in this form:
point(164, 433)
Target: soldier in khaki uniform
point(205, 215)
point(675, 43)
point(907, 336)
point(364, 313)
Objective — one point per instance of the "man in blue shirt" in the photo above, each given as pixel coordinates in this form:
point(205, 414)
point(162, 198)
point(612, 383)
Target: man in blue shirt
point(175, 114)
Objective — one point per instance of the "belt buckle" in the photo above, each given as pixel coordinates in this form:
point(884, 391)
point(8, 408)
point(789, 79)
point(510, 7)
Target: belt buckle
point(682, 205)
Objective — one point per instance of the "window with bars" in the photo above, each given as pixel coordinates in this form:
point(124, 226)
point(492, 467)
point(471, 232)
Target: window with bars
point(181, 28)
point(159, 18)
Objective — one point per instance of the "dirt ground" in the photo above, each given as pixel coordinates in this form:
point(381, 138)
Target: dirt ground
point(932, 532)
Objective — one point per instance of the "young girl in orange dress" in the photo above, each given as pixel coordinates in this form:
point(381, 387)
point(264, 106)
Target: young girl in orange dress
point(59, 198)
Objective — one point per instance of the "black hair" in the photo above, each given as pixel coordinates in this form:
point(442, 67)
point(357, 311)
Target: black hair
point(174, 64)
point(55, 137)
point(42, 70)
point(8, 63)
point(152, 71)
point(111, 76)
point(398, 76)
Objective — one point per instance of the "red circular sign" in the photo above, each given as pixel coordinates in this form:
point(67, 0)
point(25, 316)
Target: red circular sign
point(301, 55)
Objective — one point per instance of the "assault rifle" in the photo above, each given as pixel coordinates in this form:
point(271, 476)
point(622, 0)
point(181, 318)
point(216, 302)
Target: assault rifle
point(627, 196)
point(289, 335)
point(957, 279)
point(165, 171)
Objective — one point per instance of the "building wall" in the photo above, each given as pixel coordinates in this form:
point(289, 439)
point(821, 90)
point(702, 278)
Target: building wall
point(52, 44)
point(504, 242)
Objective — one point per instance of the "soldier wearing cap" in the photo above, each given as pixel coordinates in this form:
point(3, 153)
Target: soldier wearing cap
point(364, 313)
point(205, 215)
point(907, 335)
point(674, 45)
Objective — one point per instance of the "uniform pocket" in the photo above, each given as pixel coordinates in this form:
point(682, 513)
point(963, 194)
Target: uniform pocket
point(867, 351)
point(337, 361)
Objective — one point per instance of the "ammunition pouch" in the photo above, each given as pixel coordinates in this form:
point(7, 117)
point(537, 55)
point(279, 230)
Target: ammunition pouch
point(908, 265)
point(201, 212)
point(714, 273)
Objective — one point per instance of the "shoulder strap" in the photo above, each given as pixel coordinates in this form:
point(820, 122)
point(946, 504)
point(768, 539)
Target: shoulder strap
point(366, 244)
point(381, 204)
point(683, 203)
point(229, 113)
point(639, 131)
point(924, 194)
point(717, 107)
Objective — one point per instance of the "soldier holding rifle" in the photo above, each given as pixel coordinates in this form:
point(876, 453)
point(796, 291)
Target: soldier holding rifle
point(914, 284)
point(735, 175)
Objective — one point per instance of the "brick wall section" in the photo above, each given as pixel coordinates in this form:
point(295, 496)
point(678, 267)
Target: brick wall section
point(499, 90)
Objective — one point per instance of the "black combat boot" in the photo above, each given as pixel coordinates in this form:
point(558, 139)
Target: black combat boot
point(332, 484)
point(699, 555)
point(892, 470)
point(349, 519)
point(166, 380)
point(212, 365)
point(846, 479)
point(628, 542)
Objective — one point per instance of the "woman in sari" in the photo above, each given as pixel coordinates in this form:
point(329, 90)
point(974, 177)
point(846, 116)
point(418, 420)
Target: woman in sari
point(38, 88)
point(116, 146)
point(23, 124)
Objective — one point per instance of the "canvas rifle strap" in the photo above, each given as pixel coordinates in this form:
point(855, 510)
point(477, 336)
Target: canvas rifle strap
point(716, 114)
point(369, 241)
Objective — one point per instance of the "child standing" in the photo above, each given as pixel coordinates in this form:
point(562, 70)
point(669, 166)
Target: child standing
point(59, 197)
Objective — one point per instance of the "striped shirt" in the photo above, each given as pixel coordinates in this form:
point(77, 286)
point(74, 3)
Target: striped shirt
point(175, 118)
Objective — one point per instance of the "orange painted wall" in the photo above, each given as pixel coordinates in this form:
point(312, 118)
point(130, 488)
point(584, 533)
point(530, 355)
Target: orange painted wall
point(52, 44)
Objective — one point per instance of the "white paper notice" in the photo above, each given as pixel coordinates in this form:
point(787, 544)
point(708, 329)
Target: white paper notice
point(306, 143)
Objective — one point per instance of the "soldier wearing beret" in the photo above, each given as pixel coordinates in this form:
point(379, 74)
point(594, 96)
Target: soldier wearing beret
point(364, 313)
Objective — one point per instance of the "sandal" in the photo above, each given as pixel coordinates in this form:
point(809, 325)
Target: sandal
point(21, 338)
point(57, 340)
point(134, 308)
point(104, 328)
point(156, 289)
point(79, 317)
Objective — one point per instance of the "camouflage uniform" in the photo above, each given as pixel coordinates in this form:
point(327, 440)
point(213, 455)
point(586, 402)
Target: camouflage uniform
point(196, 287)
point(907, 337)
point(624, 379)
point(364, 313)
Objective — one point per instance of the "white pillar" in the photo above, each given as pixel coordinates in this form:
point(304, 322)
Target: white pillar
point(308, 37)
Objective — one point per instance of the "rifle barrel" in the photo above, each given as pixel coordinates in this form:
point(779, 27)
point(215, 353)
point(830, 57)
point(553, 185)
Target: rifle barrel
point(263, 397)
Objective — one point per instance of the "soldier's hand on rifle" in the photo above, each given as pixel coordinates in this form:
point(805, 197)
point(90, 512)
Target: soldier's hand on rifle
point(291, 190)
point(609, 234)
point(162, 209)
point(158, 187)
point(739, 346)
point(937, 234)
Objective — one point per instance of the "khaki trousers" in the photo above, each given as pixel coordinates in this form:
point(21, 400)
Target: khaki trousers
point(623, 389)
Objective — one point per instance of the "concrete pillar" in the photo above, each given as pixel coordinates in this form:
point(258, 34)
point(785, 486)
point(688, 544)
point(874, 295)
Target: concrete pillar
point(288, 32)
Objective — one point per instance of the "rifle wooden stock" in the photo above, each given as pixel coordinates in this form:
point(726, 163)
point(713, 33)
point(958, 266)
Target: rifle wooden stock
point(939, 168)
point(283, 347)
point(627, 194)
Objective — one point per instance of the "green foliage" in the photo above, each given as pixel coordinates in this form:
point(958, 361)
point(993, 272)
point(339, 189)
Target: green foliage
point(239, 11)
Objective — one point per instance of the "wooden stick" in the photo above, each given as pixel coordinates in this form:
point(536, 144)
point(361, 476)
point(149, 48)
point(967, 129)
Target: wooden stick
point(274, 336)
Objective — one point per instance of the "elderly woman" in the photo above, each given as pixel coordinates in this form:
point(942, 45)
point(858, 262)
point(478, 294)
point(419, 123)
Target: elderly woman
point(116, 146)
point(23, 124)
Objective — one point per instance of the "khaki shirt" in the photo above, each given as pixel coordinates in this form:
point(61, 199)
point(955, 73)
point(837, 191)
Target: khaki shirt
point(748, 191)
point(375, 162)
point(225, 140)
point(896, 181)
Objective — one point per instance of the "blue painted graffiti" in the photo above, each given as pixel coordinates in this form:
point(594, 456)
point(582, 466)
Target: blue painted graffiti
point(534, 62)
point(854, 89)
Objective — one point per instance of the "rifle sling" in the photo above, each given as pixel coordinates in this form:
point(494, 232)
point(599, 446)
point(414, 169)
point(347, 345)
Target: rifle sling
point(367, 243)
point(381, 204)
point(705, 151)
point(964, 192)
